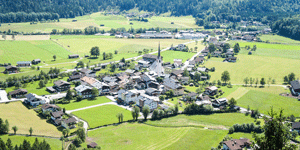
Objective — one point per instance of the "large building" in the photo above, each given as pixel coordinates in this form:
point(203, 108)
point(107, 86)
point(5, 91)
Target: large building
point(157, 65)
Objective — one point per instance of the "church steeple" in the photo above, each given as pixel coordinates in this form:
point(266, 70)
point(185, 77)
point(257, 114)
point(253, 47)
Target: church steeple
point(159, 51)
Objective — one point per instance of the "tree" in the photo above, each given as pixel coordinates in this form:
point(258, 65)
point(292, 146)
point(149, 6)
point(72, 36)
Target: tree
point(72, 147)
point(116, 52)
point(236, 48)
point(246, 80)
point(276, 134)
point(161, 97)
point(15, 128)
point(54, 57)
point(185, 73)
point(251, 81)
point(95, 92)
point(30, 131)
point(95, 51)
point(232, 102)
point(225, 76)
point(135, 113)
point(212, 47)
point(146, 111)
point(64, 132)
point(254, 48)
point(81, 134)
point(9, 144)
point(262, 81)
point(256, 82)
point(199, 90)
point(285, 79)
point(226, 47)
point(80, 64)
point(176, 109)
point(155, 114)
point(78, 141)
point(292, 118)
point(41, 84)
point(291, 77)
point(120, 117)
point(104, 56)
point(69, 95)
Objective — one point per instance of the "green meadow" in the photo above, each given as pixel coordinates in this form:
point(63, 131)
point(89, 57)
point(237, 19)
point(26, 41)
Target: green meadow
point(278, 39)
point(103, 115)
point(84, 103)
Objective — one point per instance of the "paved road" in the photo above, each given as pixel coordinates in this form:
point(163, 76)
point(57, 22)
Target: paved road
point(187, 62)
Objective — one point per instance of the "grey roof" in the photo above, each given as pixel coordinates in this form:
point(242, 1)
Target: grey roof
point(149, 56)
point(295, 84)
point(70, 120)
point(57, 114)
point(82, 88)
point(37, 60)
point(129, 71)
point(121, 91)
point(45, 106)
point(109, 79)
point(9, 67)
point(192, 94)
point(296, 125)
point(150, 90)
point(177, 72)
point(60, 83)
point(18, 91)
point(201, 69)
point(172, 83)
point(23, 62)
point(51, 89)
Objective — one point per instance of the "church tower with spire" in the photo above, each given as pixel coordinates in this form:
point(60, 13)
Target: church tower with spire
point(157, 65)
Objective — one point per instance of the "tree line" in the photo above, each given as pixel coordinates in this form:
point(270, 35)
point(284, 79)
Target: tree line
point(288, 27)
point(27, 17)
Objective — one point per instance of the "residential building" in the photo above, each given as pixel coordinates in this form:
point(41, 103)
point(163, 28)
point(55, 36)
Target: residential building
point(36, 61)
point(172, 84)
point(61, 85)
point(181, 47)
point(88, 72)
point(11, 69)
point(146, 100)
point(128, 96)
point(35, 100)
point(296, 126)
point(213, 40)
point(220, 102)
point(193, 96)
point(84, 91)
point(152, 92)
point(295, 87)
point(57, 115)
point(199, 60)
point(211, 90)
point(18, 93)
point(230, 59)
point(73, 56)
point(49, 107)
point(177, 73)
point(150, 58)
point(236, 144)
point(24, 63)
point(69, 123)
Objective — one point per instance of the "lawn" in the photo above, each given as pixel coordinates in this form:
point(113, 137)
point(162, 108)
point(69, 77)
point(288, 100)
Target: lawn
point(33, 87)
point(264, 100)
point(140, 136)
point(175, 100)
point(278, 39)
point(103, 115)
point(55, 144)
point(84, 103)
point(18, 115)
point(238, 135)
point(255, 67)
point(214, 121)
point(170, 55)
point(198, 44)
point(15, 51)
point(109, 21)
point(227, 91)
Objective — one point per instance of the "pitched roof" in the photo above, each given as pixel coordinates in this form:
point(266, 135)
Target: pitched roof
point(18, 91)
point(60, 83)
point(93, 145)
point(295, 84)
point(57, 114)
point(177, 72)
point(172, 83)
point(46, 106)
point(10, 67)
point(149, 56)
point(82, 88)
point(23, 62)
point(70, 120)
point(235, 144)
point(89, 80)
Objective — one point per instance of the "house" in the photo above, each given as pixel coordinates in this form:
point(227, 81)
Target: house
point(130, 71)
point(97, 69)
point(296, 126)
point(146, 100)
point(229, 54)
point(18, 93)
point(220, 102)
point(191, 95)
point(92, 145)
point(177, 63)
point(35, 100)
point(230, 59)
point(142, 64)
point(49, 107)
point(61, 85)
point(192, 62)
point(88, 72)
point(36, 61)
point(199, 60)
point(84, 91)
point(128, 96)
point(184, 80)
point(11, 69)
point(150, 58)
point(57, 115)
point(172, 84)
point(236, 144)
point(202, 69)
point(181, 47)
point(213, 40)
point(217, 53)
point(203, 98)
point(295, 87)
point(73, 56)
point(24, 63)
point(69, 123)
point(203, 78)
point(76, 76)
point(154, 85)
point(204, 102)
point(109, 79)
point(152, 92)
point(211, 90)
point(177, 73)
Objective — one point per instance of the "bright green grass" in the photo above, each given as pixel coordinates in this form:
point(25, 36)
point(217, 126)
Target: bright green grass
point(103, 115)
point(263, 102)
point(132, 136)
point(255, 67)
point(35, 88)
point(199, 46)
point(176, 101)
point(273, 50)
point(199, 139)
point(55, 144)
point(215, 121)
point(227, 91)
point(238, 135)
point(278, 39)
point(18, 115)
point(84, 103)
point(15, 51)
point(169, 56)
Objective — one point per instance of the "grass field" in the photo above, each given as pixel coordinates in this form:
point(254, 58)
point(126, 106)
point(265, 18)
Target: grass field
point(199, 46)
point(15, 51)
point(18, 115)
point(264, 100)
point(84, 103)
point(55, 144)
point(255, 67)
point(278, 39)
point(169, 56)
point(149, 137)
point(103, 115)
point(109, 21)
point(214, 121)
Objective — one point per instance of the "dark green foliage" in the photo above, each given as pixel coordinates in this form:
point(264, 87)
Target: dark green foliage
point(247, 128)
point(288, 27)
point(198, 109)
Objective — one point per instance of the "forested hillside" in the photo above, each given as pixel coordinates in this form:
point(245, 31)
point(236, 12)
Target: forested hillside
point(289, 27)
point(261, 10)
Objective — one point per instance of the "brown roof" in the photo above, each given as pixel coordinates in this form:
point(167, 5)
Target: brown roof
point(70, 120)
point(18, 91)
point(177, 72)
point(198, 59)
point(10, 67)
point(60, 83)
point(89, 80)
point(92, 145)
point(46, 106)
point(235, 144)
point(57, 114)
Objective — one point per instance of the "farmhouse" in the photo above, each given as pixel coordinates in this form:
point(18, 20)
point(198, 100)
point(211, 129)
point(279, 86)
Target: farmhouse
point(219, 102)
point(84, 91)
point(181, 47)
point(92, 145)
point(213, 40)
point(172, 84)
point(24, 63)
point(35, 100)
point(73, 56)
point(199, 60)
point(61, 85)
point(57, 115)
point(69, 123)
point(190, 96)
point(211, 90)
point(142, 64)
point(18, 93)
point(152, 92)
point(11, 69)
point(235, 144)
point(36, 61)
point(49, 107)
point(76, 76)
point(88, 72)
point(128, 96)
point(295, 87)
point(217, 53)
point(177, 73)
point(146, 100)
point(230, 59)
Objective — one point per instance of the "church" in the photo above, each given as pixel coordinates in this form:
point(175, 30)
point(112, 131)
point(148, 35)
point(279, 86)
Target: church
point(157, 67)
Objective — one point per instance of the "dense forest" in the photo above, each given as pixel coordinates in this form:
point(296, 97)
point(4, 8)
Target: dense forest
point(212, 10)
point(289, 27)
